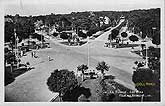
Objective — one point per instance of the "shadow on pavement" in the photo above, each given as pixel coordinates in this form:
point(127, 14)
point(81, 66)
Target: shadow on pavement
point(11, 75)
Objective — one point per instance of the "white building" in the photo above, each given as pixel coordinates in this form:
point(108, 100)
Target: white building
point(106, 20)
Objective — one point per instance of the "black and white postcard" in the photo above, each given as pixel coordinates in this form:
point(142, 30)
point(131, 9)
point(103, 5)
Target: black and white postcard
point(82, 51)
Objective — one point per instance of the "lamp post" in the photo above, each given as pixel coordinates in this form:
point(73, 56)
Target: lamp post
point(146, 56)
point(153, 28)
point(41, 41)
point(88, 51)
point(41, 38)
point(15, 35)
point(16, 48)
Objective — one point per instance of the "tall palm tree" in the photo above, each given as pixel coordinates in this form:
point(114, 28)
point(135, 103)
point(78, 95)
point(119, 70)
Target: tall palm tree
point(102, 66)
point(82, 68)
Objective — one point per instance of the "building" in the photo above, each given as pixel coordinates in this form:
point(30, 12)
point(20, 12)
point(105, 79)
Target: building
point(106, 20)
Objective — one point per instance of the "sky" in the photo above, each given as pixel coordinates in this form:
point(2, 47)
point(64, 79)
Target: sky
point(42, 7)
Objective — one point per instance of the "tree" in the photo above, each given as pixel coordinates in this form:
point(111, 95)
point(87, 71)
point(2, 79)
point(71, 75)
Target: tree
point(156, 39)
point(61, 81)
point(55, 34)
point(133, 38)
point(64, 35)
point(24, 27)
point(102, 66)
point(148, 82)
point(114, 33)
point(154, 59)
point(38, 37)
point(11, 59)
point(81, 34)
point(92, 30)
point(9, 32)
point(144, 20)
point(82, 68)
point(124, 35)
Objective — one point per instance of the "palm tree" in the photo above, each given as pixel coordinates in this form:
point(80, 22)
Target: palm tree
point(82, 68)
point(102, 66)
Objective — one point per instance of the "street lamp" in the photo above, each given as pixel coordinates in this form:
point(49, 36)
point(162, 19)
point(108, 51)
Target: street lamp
point(146, 57)
point(15, 35)
point(153, 28)
point(16, 48)
point(41, 38)
point(88, 51)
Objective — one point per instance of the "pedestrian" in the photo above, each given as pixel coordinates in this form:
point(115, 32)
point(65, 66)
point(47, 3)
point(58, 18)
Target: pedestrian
point(48, 45)
point(32, 54)
point(69, 40)
point(49, 58)
point(78, 41)
point(27, 65)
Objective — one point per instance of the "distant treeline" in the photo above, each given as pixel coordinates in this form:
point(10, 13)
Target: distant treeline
point(139, 20)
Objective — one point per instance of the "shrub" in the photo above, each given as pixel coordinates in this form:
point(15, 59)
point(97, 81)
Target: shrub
point(55, 34)
point(81, 34)
point(156, 39)
point(92, 31)
point(64, 35)
point(124, 34)
point(133, 38)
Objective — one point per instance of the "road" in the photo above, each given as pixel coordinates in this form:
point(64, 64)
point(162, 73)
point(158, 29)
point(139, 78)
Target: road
point(31, 86)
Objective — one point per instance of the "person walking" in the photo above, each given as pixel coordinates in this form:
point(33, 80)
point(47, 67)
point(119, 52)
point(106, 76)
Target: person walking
point(32, 54)
point(49, 58)
point(69, 40)
point(27, 65)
